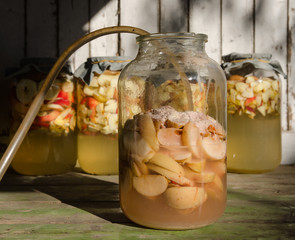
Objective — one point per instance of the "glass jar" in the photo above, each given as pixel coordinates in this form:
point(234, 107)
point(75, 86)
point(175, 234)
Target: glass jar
point(97, 114)
point(50, 145)
point(253, 107)
point(172, 133)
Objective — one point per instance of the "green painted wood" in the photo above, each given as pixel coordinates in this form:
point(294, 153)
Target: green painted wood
point(80, 206)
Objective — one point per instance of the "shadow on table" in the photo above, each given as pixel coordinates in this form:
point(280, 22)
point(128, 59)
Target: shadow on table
point(96, 196)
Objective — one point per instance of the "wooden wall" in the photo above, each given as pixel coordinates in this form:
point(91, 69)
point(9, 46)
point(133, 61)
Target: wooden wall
point(44, 28)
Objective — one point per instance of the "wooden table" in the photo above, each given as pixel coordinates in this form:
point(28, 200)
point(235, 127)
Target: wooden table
point(80, 206)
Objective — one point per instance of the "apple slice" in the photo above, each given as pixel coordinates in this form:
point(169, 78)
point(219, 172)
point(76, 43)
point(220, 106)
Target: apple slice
point(236, 78)
point(26, 90)
point(170, 136)
point(142, 168)
point(216, 166)
point(180, 155)
point(185, 197)
point(147, 130)
point(150, 185)
point(164, 161)
point(49, 117)
point(215, 189)
point(181, 180)
point(191, 137)
point(203, 177)
point(137, 147)
point(50, 106)
point(88, 91)
point(197, 166)
point(214, 149)
point(135, 169)
point(67, 86)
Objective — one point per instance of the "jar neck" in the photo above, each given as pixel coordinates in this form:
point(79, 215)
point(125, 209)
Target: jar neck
point(161, 44)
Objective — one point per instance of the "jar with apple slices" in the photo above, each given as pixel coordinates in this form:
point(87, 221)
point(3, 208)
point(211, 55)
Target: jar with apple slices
point(253, 112)
point(97, 114)
point(172, 136)
point(48, 146)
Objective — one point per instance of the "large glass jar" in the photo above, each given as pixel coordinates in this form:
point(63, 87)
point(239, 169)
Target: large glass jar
point(50, 145)
point(253, 107)
point(172, 133)
point(97, 114)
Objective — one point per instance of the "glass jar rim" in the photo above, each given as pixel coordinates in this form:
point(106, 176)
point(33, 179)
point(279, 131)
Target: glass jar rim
point(175, 35)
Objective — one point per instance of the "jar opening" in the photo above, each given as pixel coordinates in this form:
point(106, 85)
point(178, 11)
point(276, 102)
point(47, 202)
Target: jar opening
point(175, 35)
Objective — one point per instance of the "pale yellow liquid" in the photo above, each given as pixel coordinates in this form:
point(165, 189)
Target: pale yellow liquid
point(253, 145)
point(43, 154)
point(98, 154)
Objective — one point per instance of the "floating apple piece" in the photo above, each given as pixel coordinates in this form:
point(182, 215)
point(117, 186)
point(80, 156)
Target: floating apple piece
point(180, 155)
point(197, 166)
point(147, 130)
point(164, 161)
point(213, 148)
point(170, 136)
point(138, 148)
point(178, 178)
point(49, 117)
point(150, 185)
point(185, 197)
point(190, 138)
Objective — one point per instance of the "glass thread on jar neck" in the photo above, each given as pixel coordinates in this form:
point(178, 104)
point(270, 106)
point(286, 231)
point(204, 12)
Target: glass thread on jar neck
point(158, 40)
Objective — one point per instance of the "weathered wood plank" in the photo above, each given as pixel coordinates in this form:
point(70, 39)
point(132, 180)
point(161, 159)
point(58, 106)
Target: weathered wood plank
point(237, 26)
point(41, 28)
point(73, 17)
point(291, 67)
point(142, 14)
point(32, 212)
point(104, 14)
point(12, 50)
point(174, 16)
point(270, 37)
point(205, 18)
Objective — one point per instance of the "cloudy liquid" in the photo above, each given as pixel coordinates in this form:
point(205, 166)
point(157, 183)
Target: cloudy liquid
point(43, 154)
point(254, 145)
point(98, 154)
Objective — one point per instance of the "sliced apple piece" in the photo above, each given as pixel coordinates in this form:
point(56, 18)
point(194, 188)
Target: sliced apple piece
point(181, 180)
point(142, 167)
point(164, 161)
point(203, 177)
point(197, 166)
point(185, 197)
point(135, 169)
point(216, 166)
point(26, 90)
point(215, 189)
point(137, 147)
point(241, 87)
point(236, 78)
point(170, 136)
point(218, 183)
point(150, 185)
point(191, 137)
point(49, 117)
point(180, 155)
point(147, 130)
point(68, 86)
point(214, 149)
